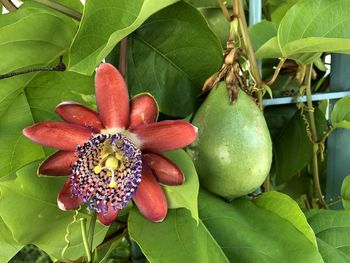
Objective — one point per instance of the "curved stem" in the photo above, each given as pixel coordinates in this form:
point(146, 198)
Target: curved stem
point(224, 10)
point(315, 147)
point(9, 5)
point(277, 71)
point(85, 239)
point(61, 8)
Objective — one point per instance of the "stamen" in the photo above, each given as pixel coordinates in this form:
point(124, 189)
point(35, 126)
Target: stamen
point(107, 172)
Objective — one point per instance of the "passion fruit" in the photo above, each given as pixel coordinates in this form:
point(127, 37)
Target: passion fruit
point(233, 151)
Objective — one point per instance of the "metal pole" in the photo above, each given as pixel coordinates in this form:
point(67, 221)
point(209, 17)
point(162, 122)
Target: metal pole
point(338, 144)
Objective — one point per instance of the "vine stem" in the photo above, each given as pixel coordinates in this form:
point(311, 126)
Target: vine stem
point(85, 239)
point(61, 8)
point(91, 230)
point(315, 148)
point(238, 13)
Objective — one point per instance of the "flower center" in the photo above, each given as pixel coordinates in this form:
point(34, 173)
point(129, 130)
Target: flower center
point(107, 172)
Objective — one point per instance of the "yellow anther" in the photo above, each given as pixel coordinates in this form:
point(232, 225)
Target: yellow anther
point(118, 155)
point(112, 184)
point(119, 143)
point(112, 163)
point(97, 169)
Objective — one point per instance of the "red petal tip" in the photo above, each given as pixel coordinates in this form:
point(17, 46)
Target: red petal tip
point(76, 113)
point(109, 217)
point(166, 135)
point(165, 170)
point(66, 200)
point(112, 97)
point(150, 198)
point(144, 110)
point(58, 135)
point(58, 164)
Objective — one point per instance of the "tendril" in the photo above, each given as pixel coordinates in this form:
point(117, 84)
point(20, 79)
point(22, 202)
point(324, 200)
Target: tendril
point(66, 237)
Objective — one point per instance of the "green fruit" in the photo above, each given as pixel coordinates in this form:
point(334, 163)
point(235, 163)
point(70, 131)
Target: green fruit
point(233, 151)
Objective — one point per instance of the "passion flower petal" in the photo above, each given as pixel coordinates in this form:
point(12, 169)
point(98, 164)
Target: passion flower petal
point(150, 198)
point(144, 110)
point(165, 135)
point(108, 217)
point(58, 135)
point(112, 97)
point(58, 164)
point(164, 169)
point(66, 200)
point(76, 113)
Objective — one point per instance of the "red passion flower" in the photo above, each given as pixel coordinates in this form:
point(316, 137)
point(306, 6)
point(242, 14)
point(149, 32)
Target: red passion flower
point(114, 155)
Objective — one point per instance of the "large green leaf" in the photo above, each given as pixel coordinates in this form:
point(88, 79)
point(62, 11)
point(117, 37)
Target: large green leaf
point(24, 46)
point(29, 209)
point(293, 148)
point(341, 113)
point(314, 27)
point(9, 247)
point(332, 229)
point(177, 239)
point(286, 208)
point(250, 233)
point(300, 36)
point(345, 192)
point(185, 195)
point(171, 55)
point(103, 25)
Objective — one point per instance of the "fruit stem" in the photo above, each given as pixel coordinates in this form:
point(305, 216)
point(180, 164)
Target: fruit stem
point(238, 13)
point(315, 148)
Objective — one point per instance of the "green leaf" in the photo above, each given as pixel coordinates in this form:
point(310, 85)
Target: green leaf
point(103, 25)
point(171, 55)
point(217, 22)
point(9, 247)
point(293, 148)
point(261, 32)
point(26, 196)
point(280, 8)
point(286, 208)
point(248, 233)
point(332, 229)
point(341, 113)
point(301, 37)
point(23, 46)
point(345, 192)
point(176, 239)
point(270, 49)
point(14, 148)
point(185, 195)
